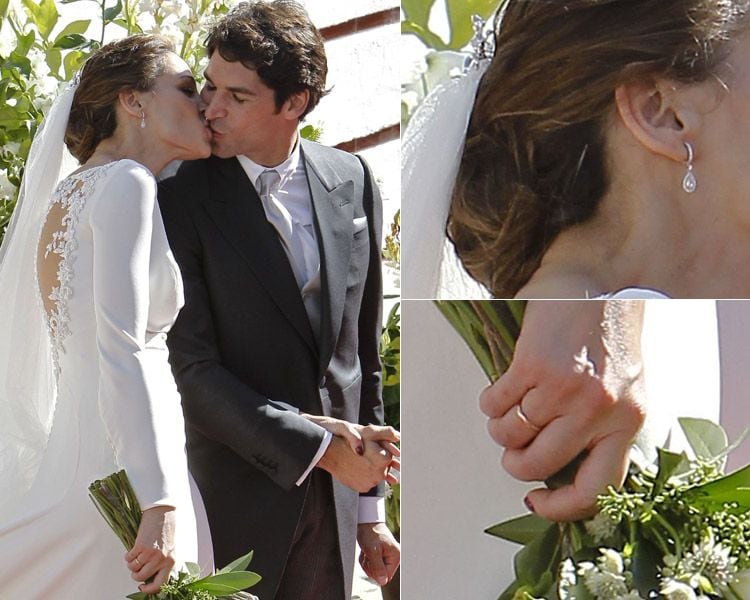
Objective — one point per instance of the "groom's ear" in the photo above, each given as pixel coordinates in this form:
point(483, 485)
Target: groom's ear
point(660, 114)
point(295, 105)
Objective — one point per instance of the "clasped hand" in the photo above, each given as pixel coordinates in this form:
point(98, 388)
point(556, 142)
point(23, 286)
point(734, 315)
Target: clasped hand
point(360, 456)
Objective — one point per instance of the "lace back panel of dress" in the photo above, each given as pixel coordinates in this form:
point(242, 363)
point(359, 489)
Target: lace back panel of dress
point(56, 254)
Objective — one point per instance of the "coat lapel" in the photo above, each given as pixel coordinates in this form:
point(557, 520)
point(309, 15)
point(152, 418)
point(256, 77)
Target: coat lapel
point(235, 208)
point(332, 207)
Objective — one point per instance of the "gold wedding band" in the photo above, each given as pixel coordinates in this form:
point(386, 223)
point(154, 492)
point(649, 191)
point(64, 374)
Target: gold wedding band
point(525, 419)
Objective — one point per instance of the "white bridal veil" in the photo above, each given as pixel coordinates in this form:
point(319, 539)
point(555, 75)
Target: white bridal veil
point(27, 380)
point(431, 151)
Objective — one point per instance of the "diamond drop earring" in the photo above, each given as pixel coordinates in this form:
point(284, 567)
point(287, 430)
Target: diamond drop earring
point(688, 182)
point(143, 120)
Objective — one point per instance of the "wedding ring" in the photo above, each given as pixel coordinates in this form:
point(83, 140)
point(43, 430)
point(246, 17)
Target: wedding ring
point(156, 546)
point(525, 419)
point(138, 562)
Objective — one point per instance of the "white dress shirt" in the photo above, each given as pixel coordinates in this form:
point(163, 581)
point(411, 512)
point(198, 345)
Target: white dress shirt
point(293, 200)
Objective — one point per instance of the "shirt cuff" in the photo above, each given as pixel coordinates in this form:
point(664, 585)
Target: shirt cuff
point(371, 509)
point(318, 455)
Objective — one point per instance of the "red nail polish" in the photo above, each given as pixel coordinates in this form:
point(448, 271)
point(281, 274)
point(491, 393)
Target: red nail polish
point(529, 504)
point(360, 450)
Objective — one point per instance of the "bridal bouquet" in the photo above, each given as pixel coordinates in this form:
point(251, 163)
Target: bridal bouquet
point(678, 529)
point(115, 499)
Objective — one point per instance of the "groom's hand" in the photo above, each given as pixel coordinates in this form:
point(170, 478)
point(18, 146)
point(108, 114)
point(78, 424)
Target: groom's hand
point(360, 472)
point(354, 433)
point(381, 553)
point(574, 385)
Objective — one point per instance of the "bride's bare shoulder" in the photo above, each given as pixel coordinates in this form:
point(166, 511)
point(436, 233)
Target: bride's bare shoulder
point(563, 284)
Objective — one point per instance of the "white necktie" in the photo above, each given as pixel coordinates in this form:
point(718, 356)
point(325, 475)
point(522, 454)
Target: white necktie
point(298, 242)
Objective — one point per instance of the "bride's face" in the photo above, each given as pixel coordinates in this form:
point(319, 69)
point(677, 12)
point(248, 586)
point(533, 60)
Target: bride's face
point(174, 112)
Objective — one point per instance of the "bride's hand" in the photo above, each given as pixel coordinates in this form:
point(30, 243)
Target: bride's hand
point(575, 384)
point(356, 434)
point(152, 555)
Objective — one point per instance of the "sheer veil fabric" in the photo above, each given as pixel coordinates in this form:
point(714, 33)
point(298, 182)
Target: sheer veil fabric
point(27, 381)
point(430, 156)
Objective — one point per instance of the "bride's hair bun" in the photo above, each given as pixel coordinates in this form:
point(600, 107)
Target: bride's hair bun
point(130, 63)
point(536, 160)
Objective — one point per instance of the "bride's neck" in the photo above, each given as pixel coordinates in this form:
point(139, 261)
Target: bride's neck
point(124, 145)
point(684, 245)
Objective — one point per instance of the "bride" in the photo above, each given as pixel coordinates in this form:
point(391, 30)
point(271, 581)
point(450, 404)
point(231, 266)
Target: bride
point(90, 289)
point(607, 149)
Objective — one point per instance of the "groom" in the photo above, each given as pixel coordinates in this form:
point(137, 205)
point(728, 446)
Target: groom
point(278, 241)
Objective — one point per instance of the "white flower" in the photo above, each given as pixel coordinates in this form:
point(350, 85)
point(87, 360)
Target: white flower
point(600, 527)
point(177, 8)
point(47, 86)
point(172, 33)
point(146, 6)
point(189, 24)
point(7, 42)
point(605, 585)
point(585, 568)
point(710, 559)
point(7, 189)
point(567, 579)
point(674, 590)
point(39, 65)
point(610, 561)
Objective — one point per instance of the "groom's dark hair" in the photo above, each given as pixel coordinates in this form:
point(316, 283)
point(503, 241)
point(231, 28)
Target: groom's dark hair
point(278, 41)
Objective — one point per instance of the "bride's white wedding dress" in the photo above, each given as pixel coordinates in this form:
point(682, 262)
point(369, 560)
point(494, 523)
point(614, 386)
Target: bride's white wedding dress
point(111, 291)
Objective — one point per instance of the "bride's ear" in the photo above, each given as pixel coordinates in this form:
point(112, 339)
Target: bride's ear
point(129, 101)
point(659, 115)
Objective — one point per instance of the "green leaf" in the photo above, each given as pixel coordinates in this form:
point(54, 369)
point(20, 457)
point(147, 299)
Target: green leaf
point(76, 27)
point(521, 530)
point(72, 62)
point(734, 487)
point(193, 569)
point(25, 42)
point(111, 14)
point(644, 565)
point(428, 38)
point(226, 583)
point(137, 595)
point(44, 15)
point(20, 62)
point(538, 557)
point(706, 438)
point(417, 11)
point(239, 564)
point(670, 464)
point(54, 60)
point(459, 17)
point(74, 40)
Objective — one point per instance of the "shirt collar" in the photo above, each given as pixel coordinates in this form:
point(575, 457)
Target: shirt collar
point(285, 169)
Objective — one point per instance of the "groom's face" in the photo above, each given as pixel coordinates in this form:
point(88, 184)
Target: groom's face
point(243, 115)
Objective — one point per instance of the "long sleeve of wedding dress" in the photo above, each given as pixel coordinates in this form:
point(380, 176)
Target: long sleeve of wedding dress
point(137, 398)
point(114, 293)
